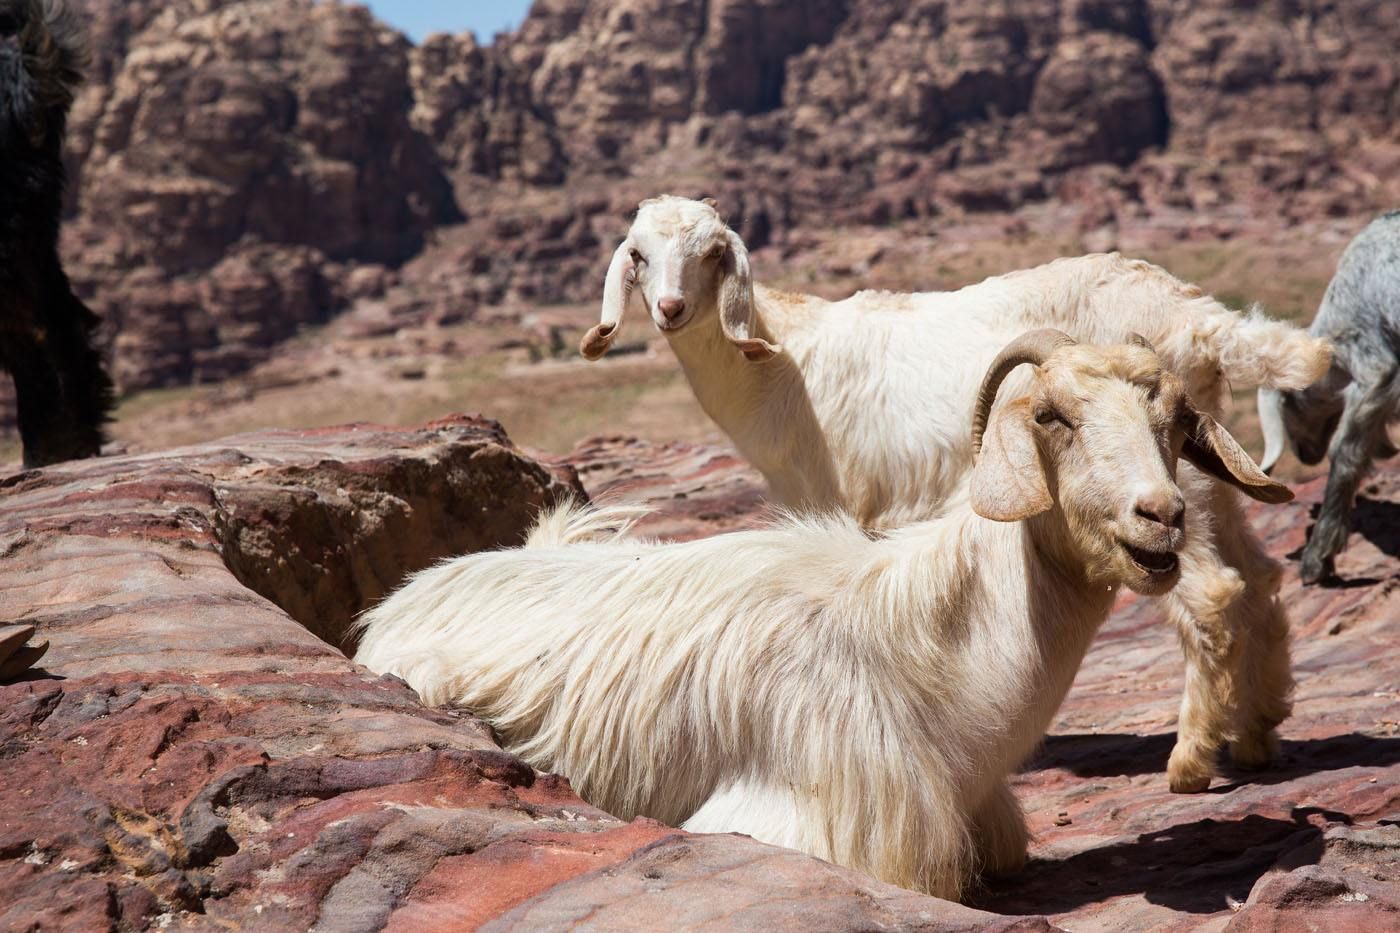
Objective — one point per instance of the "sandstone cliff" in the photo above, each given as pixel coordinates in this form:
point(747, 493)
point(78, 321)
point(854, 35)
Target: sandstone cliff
point(233, 158)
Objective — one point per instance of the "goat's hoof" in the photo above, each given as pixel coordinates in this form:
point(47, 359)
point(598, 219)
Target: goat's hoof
point(1315, 569)
point(1189, 785)
point(1254, 752)
point(1188, 777)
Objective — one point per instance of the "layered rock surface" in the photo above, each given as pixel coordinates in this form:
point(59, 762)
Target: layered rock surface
point(228, 158)
point(189, 753)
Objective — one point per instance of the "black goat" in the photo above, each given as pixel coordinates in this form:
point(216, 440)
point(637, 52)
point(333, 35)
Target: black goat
point(46, 332)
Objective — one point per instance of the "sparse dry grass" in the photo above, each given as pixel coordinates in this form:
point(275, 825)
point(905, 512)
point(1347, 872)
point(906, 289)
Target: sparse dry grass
point(548, 406)
point(553, 404)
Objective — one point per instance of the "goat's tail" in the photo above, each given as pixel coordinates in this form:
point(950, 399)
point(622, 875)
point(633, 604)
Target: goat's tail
point(575, 522)
point(1190, 328)
point(1254, 350)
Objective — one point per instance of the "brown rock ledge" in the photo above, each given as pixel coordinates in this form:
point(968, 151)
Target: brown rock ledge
point(189, 756)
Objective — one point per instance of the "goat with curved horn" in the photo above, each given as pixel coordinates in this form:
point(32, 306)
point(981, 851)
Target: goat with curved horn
point(1032, 347)
point(1272, 426)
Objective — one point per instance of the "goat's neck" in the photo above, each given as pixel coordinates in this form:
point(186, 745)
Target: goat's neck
point(727, 385)
point(764, 408)
point(1031, 617)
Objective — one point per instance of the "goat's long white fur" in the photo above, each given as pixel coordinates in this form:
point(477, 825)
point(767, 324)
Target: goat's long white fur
point(866, 410)
point(880, 385)
point(860, 698)
point(857, 699)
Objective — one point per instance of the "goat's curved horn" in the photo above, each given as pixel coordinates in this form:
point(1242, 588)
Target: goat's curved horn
point(1271, 423)
point(1032, 347)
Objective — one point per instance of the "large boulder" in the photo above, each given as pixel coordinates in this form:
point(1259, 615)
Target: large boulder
point(191, 754)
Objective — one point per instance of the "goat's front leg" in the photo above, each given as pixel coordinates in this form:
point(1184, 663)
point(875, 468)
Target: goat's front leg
point(1260, 665)
point(999, 834)
point(1360, 434)
point(1199, 606)
point(1234, 634)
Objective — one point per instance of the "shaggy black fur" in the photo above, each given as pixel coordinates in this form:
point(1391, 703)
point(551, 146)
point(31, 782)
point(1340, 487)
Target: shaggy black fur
point(46, 332)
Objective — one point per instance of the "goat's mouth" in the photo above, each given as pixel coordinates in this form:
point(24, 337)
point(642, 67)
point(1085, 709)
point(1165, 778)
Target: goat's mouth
point(670, 327)
point(1153, 563)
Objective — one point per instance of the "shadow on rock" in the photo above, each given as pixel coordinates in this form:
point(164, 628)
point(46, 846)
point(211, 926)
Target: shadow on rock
point(1376, 520)
point(1125, 754)
point(1196, 868)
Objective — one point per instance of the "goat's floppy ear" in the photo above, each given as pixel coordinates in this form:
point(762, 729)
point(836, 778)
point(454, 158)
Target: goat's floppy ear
point(617, 289)
point(1008, 480)
point(1211, 448)
point(736, 303)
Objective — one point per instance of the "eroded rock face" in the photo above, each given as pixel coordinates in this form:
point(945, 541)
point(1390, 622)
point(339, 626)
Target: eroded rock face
point(226, 156)
point(187, 752)
point(1279, 97)
point(476, 106)
point(258, 133)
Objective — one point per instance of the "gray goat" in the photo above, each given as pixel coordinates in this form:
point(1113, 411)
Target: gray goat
point(1345, 414)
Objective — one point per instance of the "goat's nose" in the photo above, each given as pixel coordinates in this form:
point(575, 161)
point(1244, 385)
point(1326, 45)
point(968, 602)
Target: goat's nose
point(1162, 507)
point(671, 308)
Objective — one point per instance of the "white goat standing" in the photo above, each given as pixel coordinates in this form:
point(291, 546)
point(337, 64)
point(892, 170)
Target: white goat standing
point(864, 408)
point(860, 699)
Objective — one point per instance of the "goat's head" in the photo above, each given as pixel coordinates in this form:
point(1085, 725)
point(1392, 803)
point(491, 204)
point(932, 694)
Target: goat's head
point(1096, 435)
point(690, 269)
point(1306, 418)
point(41, 59)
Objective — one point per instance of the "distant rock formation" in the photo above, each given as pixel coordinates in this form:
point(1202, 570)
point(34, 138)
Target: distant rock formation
point(235, 160)
point(230, 158)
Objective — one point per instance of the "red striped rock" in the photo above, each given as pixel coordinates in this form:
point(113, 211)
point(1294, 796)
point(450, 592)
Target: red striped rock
point(190, 754)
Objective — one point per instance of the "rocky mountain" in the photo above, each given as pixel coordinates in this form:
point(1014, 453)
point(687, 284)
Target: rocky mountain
point(229, 158)
point(244, 168)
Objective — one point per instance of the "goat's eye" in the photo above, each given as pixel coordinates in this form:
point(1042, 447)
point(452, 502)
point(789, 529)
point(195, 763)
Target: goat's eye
point(1046, 416)
point(637, 258)
point(717, 251)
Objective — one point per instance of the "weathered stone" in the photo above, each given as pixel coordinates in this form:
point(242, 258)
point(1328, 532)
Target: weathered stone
point(188, 753)
point(16, 656)
point(187, 747)
point(227, 149)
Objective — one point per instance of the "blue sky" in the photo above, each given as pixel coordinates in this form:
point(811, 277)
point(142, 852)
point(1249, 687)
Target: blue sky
point(420, 17)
